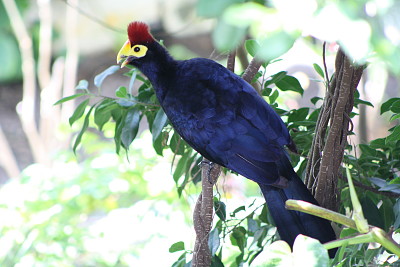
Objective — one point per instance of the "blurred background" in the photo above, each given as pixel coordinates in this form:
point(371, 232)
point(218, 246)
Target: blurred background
point(96, 208)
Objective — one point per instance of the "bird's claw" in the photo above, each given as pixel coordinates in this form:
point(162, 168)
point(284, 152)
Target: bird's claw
point(210, 167)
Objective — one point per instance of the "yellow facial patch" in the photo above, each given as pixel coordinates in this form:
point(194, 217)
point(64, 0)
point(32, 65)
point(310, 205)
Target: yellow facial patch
point(126, 51)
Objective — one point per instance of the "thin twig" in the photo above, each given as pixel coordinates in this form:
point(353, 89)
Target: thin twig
point(93, 18)
point(324, 62)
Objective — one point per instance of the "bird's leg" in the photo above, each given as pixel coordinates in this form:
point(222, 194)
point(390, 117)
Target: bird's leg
point(281, 182)
point(210, 167)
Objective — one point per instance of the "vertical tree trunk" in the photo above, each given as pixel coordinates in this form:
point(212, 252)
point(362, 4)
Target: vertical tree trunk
point(330, 138)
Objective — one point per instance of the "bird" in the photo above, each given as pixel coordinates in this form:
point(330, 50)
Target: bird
point(225, 119)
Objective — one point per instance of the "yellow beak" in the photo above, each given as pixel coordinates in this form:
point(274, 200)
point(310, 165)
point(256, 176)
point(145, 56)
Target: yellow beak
point(123, 54)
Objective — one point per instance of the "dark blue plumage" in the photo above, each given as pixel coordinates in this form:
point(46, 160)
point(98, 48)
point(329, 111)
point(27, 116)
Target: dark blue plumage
point(222, 117)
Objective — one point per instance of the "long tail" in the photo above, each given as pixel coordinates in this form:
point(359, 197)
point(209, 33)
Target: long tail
point(292, 223)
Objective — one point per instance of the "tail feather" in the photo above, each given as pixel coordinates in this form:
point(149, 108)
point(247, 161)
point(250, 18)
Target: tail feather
point(292, 223)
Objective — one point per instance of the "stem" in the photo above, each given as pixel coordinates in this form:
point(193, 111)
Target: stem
point(358, 215)
point(312, 209)
point(385, 240)
point(358, 239)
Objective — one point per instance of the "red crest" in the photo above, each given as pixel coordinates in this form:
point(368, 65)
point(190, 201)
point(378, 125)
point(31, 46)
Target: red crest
point(138, 33)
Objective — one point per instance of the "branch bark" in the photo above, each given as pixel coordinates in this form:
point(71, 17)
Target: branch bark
point(327, 149)
point(203, 211)
point(203, 214)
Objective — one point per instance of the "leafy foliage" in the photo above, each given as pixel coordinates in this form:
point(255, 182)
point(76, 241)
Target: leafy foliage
point(253, 231)
point(246, 235)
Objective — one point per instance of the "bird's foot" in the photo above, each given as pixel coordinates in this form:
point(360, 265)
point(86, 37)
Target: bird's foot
point(281, 182)
point(210, 165)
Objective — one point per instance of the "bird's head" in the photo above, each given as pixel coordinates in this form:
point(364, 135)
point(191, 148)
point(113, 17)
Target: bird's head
point(137, 45)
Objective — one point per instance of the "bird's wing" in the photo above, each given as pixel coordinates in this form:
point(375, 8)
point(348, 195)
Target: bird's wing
point(225, 119)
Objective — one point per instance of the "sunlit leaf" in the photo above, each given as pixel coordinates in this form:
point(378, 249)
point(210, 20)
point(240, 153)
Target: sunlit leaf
point(121, 92)
point(252, 47)
point(158, 124)
point(211, 8)
point(289, 83)
point(395, 135)
point(386, 105)
point(310, 252)
point(319, 70)
point(79, 111)
point(220, 209)
point(82, 85)
point(68, 98)
point(131, 127)
point(227, 37)
point(83, 130)
point(178, 246)
point(98, 80)
point(213, 241)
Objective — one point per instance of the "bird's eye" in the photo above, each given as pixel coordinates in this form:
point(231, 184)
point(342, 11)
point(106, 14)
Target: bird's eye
point(136, 49)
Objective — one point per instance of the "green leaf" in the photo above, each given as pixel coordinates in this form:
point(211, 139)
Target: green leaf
point(83, 130)
point(252, 47)
point(238, 238)
point(371, 212)
point(79, 111)
point(309, 252)
point(82, 85)
point(131, 127)
point(358, 101)
point(386, 106)
point(158, 145)
point(121, 92)
point(227, 37)
point(102, 113)
point(252, 226)
point(178, 246)
point(213, 241)
point(181, 262)
point(273, 97)
point(177, 144)
point(158, 124)
point(132, 80)
point(233, 214)
point(220, 209)
point(395, 107)
point(396, 211)
point(275, 45)
point(68, 98)
point(395, 135)
point(211, 8)
point(181, 167)
point(315, 99)
point(278, 254)
point(289, 83)
point(319, 70)
point(298, 114)
point(98, 80)
point(125, 103)
point(215, 262)
point(259, 236)
point(119, 125)
point(276, 78)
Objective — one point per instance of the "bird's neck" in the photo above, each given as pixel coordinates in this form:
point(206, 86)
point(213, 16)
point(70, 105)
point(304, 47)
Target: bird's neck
point(160, 70)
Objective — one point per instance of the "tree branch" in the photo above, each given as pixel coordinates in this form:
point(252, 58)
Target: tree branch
point(203, 211)
point(203, 214)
